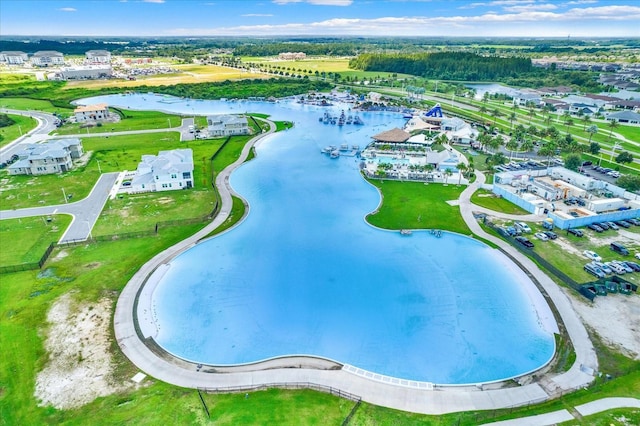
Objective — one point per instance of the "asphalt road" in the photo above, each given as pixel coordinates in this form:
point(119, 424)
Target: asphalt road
point(85, 212)
point(46, 124)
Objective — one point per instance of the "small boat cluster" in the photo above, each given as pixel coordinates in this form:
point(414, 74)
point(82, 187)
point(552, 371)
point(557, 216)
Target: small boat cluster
point(340, 120)
point(335, 152)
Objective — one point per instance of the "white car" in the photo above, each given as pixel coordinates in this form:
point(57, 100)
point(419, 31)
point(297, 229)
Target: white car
point(637, 255)
point(605, 268)
point(623, 265)
point(616, 268)
point(523, 227)
point(541, 236)
point(592, 255)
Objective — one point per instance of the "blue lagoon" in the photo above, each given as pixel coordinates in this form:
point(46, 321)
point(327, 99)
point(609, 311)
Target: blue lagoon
point(304, 274)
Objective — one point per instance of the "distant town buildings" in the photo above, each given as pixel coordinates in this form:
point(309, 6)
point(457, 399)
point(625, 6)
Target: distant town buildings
point(47, 58)
point(86, 72)
point(97, 112)
point(54, 156)
point(292, 56)
point(167, 171)
point(227, 125)
point(13, 57)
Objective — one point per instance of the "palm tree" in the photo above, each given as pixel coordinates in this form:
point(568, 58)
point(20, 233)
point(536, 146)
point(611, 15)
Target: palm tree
point(496, 113)
point(532, 113)
point(447, 175)
point(526, 145)
point(483, 111)
point(568, 122)
point(461, 168)
point(512, 146)
point(512, 117)
point(612, 124)
point(586, 120)
point(495, 143)
point(548, 149)
point(592, 130)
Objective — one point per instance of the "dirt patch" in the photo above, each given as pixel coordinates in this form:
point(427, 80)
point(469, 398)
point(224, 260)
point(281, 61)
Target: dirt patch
point(165, 200)
point(616, 318)
point(92, 265)
point(80, 366)
point(61, 255)
point(567, 246)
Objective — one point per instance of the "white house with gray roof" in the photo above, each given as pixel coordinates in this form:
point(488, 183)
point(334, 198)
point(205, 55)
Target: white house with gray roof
point(167, 171)
point(46, 58)
point(13, 57)
point(628, 117)
point(54, 156)
point(97, 57)
point(227, 125)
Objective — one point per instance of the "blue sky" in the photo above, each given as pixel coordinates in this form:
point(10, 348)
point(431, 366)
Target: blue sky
point(520, 18)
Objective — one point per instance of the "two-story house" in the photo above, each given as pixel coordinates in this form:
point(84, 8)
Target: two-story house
point(227, 125)
point(167, 171)
point(13, 57)
point(97, 112)
point(53, 156)
point(97, 57)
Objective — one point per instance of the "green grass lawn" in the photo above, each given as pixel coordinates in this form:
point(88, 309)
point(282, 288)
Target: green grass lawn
point(487, 199)
point(21, 126)
point(132, 120)
point(33, 104)
point(26, 239)
point(21, 191)
point(414, 205)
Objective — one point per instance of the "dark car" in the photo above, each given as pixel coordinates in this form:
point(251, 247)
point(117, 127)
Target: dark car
point(524, 241)
point(594, 227)
point(576, 232)
point(552, 235)
point(623, 223)
point(587, 163)
point(633, 265)
point(633, 221)
point(603, 225)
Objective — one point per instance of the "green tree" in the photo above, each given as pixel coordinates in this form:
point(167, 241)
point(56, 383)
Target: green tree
point(592, 130)
point(624, 157)
point(612, 125)
point(594, 148)
point(573, 162)
point(629, 182)
point(586, 120)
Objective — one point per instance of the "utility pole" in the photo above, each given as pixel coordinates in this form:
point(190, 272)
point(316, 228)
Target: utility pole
point(64, 194)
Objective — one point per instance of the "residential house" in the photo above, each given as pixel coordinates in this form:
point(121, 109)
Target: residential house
point(526, 98)
point(97, 112)
point(97, 57)
point(53, 156)
point(582, 109)
point(167, 171)
point(47, 58)
point(288, 56)
point(13, 57)
point(227, 125)
point(627, 117)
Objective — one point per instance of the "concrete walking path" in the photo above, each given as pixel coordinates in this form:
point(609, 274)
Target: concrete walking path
point(409, 396)
point(560, 416)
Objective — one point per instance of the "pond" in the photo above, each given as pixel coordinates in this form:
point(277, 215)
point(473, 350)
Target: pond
point(305, 274)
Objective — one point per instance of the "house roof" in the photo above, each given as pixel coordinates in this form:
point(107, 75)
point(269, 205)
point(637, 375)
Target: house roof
point(173, 161)
point(13, 53)
point(624, 115)
point(97, 53)
point(90, 108)
point(48, 53)
point(392, 136)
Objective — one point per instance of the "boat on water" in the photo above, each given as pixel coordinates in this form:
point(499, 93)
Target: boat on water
point(357, 120)
point(335, 154)
point(344, 147)
point(405, 231)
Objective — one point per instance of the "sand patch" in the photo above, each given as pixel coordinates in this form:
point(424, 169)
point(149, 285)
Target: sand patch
point(80, 367)
point(616, 318)
point(61, 255)
point(165, 200)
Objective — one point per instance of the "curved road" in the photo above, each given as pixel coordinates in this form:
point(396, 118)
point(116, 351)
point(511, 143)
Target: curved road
point(46, 124)
point(409, 396)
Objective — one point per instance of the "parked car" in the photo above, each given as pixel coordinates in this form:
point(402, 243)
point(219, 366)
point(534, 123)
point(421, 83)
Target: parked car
point(524, 241)
point(619, 248)
point(616, 268)
point(592, 255)
point(603, 225)
point(605, 268)
point(513, 231)
point(633, 265)
point(523, 227)
point(594, 227)
point(612, 226)
point(594, 270)
point(576, 232)
point(541, 236)
point(633, 221)
point(623, 223)
point(623, 265)
point(552, 235)
point(586, 163)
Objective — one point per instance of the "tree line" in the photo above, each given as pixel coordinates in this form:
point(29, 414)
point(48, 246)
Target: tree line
point(444, 65)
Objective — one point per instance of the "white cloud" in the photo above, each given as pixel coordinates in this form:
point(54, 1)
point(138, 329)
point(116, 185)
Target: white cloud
point(582, 2)
point(530, 7)
point(317, 2)
point(68, 9)
point(153, 1)
point(257, 14)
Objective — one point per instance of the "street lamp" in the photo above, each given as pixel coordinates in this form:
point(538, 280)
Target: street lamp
point(64, 194)
point(99, 169)
point(613, 150)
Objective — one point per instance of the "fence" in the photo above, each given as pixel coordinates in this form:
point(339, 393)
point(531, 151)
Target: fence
point(292, 386)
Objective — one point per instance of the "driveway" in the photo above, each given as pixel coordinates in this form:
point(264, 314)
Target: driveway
point(85, 212)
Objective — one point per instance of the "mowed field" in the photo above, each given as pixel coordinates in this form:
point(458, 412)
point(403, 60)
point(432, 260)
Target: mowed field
point(189, 74)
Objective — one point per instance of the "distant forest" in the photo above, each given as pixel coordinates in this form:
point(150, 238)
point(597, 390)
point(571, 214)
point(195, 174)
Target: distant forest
point(445, 65)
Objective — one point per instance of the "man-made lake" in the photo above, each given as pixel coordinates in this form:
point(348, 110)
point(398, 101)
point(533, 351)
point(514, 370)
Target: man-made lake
point(305, 274)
